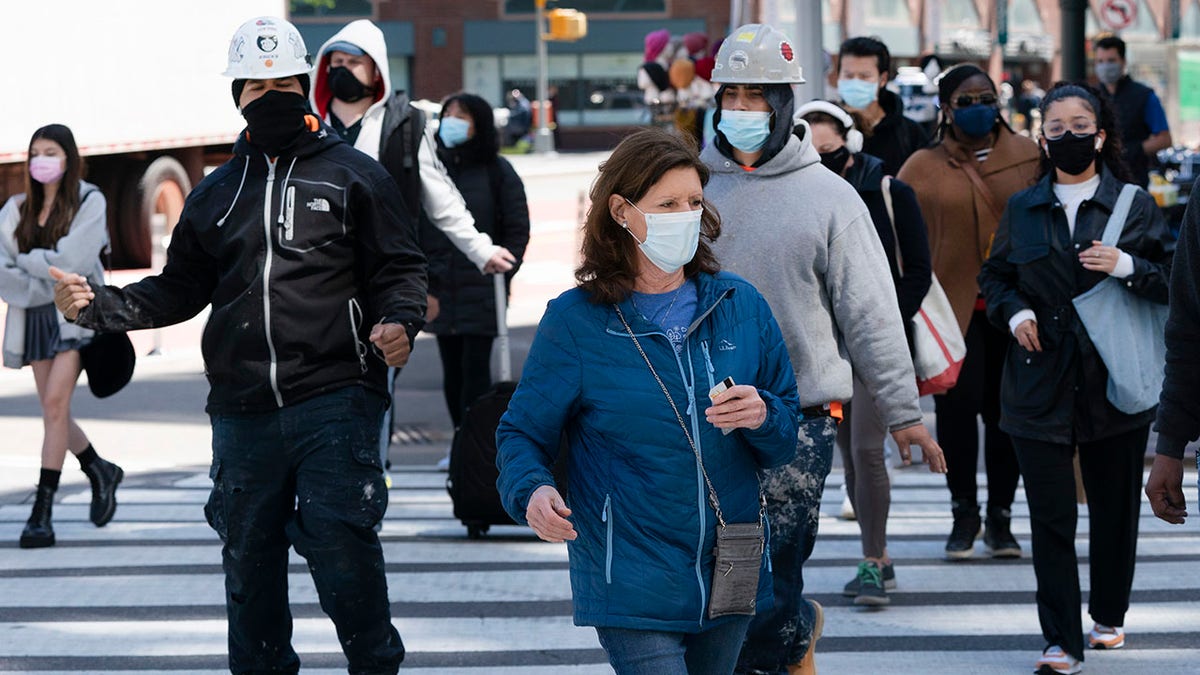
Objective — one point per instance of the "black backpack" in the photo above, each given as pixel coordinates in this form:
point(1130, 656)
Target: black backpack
point(400, 140)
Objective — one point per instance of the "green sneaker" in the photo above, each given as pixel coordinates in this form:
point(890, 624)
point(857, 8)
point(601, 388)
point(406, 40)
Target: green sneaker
point(850, 590)
point(870, 586)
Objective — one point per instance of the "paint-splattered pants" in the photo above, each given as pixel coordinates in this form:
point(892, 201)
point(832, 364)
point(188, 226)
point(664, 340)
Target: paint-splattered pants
point(781, 635)
point(307, 475)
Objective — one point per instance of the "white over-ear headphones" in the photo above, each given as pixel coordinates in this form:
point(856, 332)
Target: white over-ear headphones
point(854, 137)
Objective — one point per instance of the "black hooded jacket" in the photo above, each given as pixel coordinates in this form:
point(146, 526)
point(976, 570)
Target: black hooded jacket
point(866, 175)
point(495, 196)
point(896, 137)
point(298, 258)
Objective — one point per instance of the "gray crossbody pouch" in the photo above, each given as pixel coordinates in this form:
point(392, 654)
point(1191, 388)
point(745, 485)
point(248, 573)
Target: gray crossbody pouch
point(740, 546)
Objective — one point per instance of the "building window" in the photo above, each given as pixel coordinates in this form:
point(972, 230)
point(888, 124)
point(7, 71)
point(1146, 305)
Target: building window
point(303, 9)
point(589, 89)
point(594, 6)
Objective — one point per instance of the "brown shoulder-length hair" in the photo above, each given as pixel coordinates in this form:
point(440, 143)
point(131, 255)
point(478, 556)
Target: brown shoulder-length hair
point(66, 201)
point(610, 255)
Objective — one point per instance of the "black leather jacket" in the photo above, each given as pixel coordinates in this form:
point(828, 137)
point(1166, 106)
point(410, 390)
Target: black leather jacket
point(299, 258)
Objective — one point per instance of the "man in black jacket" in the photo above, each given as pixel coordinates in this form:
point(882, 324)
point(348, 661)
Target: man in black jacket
point(304, 250)
point(864, 65)
point(1179, 405)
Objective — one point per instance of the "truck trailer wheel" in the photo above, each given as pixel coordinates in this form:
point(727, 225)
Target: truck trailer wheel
point(161, 190)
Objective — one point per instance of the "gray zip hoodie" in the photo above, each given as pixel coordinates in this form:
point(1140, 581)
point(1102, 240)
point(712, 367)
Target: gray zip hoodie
point(804, 238)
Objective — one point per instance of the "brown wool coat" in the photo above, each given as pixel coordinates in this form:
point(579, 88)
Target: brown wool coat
point(960, 222)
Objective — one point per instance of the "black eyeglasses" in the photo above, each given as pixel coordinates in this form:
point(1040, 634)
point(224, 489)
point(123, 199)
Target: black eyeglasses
point(986, 98)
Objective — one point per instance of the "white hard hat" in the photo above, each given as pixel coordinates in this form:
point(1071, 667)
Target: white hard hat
point(265, 48)
point(854, 137)
point(757, 54)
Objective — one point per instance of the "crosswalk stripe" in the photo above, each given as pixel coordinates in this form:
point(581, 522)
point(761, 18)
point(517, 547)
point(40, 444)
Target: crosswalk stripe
point(146, 592)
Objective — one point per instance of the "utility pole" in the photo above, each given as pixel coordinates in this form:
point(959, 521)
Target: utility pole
point(807, 39)
point(1073, 57)
point(543, 139)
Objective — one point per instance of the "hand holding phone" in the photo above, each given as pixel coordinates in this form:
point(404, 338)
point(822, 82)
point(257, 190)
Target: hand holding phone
point(735, 406)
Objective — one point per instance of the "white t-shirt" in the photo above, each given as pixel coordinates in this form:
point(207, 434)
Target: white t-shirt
point(1071, 196)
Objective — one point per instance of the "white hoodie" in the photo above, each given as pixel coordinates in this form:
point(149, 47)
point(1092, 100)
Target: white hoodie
point(440, 199)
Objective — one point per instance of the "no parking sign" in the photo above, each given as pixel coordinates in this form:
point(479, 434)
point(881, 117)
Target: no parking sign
point(1118, 14)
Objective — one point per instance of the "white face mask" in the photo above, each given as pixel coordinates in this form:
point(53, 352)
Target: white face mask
point(671, 238)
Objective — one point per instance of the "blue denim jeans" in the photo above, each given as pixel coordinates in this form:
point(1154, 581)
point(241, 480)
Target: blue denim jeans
point(781, 635)
point(647, 652)
point(308, 476)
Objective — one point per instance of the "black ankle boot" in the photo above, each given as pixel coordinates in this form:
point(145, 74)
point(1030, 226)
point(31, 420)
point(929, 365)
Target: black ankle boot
point(38, 532)
point(961, 543)
point(997, 534)
point(104, 477)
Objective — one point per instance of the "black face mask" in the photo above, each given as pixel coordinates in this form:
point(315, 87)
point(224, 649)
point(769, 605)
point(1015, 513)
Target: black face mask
point(1072, 154)
point(275, 120)
point(345, 86)
point(836, 161)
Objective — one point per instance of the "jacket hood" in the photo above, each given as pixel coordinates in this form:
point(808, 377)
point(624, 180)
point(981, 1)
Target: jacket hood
point(367, 36)
point(782, 101)
point(796, 154)
point(867, 173)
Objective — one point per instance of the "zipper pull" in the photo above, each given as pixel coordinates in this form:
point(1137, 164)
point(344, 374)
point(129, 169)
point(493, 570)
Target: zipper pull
point(289, 213)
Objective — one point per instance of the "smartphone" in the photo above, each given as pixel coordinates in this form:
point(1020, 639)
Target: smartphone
point(720, 387)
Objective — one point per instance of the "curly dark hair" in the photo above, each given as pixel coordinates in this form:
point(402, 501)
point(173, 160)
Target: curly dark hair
point(610, 255)
point(1111, 154)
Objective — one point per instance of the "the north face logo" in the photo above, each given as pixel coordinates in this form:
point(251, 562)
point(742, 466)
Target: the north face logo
point(318, 204)
point(725, 345)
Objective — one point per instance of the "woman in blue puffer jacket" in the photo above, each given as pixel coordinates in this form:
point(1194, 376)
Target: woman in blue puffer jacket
point(652, 316)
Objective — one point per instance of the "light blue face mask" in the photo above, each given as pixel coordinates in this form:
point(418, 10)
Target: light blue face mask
point(671, 238)
point(857, 93)
point(1109, 73)
point(745, 130)
point(453, 131)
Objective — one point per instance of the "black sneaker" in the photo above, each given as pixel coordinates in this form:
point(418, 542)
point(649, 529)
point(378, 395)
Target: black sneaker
point(889, 581)
point(998, 536)
point(960, 545)
point(870, 586)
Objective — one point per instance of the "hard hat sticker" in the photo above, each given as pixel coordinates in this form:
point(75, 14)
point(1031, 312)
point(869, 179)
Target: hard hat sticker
point(786, 50)
point(739, 60)
point(298, 49)
point(746, 36)
point(267, 43)
point(237, 49)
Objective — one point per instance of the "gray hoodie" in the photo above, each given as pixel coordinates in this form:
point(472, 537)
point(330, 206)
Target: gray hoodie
point(804, 238)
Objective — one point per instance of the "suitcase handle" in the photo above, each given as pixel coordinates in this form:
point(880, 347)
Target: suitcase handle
point(501, 291)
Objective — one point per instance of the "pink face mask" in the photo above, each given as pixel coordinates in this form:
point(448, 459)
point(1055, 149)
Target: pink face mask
point(45, 169)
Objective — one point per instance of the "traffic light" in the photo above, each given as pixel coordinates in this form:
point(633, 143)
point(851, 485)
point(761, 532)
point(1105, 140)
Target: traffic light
point(566, 25)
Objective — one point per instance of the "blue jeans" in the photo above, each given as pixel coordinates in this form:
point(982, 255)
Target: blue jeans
point(308, 476)
point(781, 635)
point(648, 652)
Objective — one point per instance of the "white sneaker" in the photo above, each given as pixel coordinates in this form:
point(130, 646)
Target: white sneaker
point(444, 463)
point(1055, 661)
point(848, 509)
point(1106, 637)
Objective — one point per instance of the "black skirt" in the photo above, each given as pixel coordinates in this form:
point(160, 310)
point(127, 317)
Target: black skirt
point(42, 338)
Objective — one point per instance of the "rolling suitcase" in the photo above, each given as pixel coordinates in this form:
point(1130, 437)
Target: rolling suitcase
point(473, 472)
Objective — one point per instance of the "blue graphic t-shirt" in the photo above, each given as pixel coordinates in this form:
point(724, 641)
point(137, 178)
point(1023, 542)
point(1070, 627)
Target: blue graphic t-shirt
point(672, 311)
